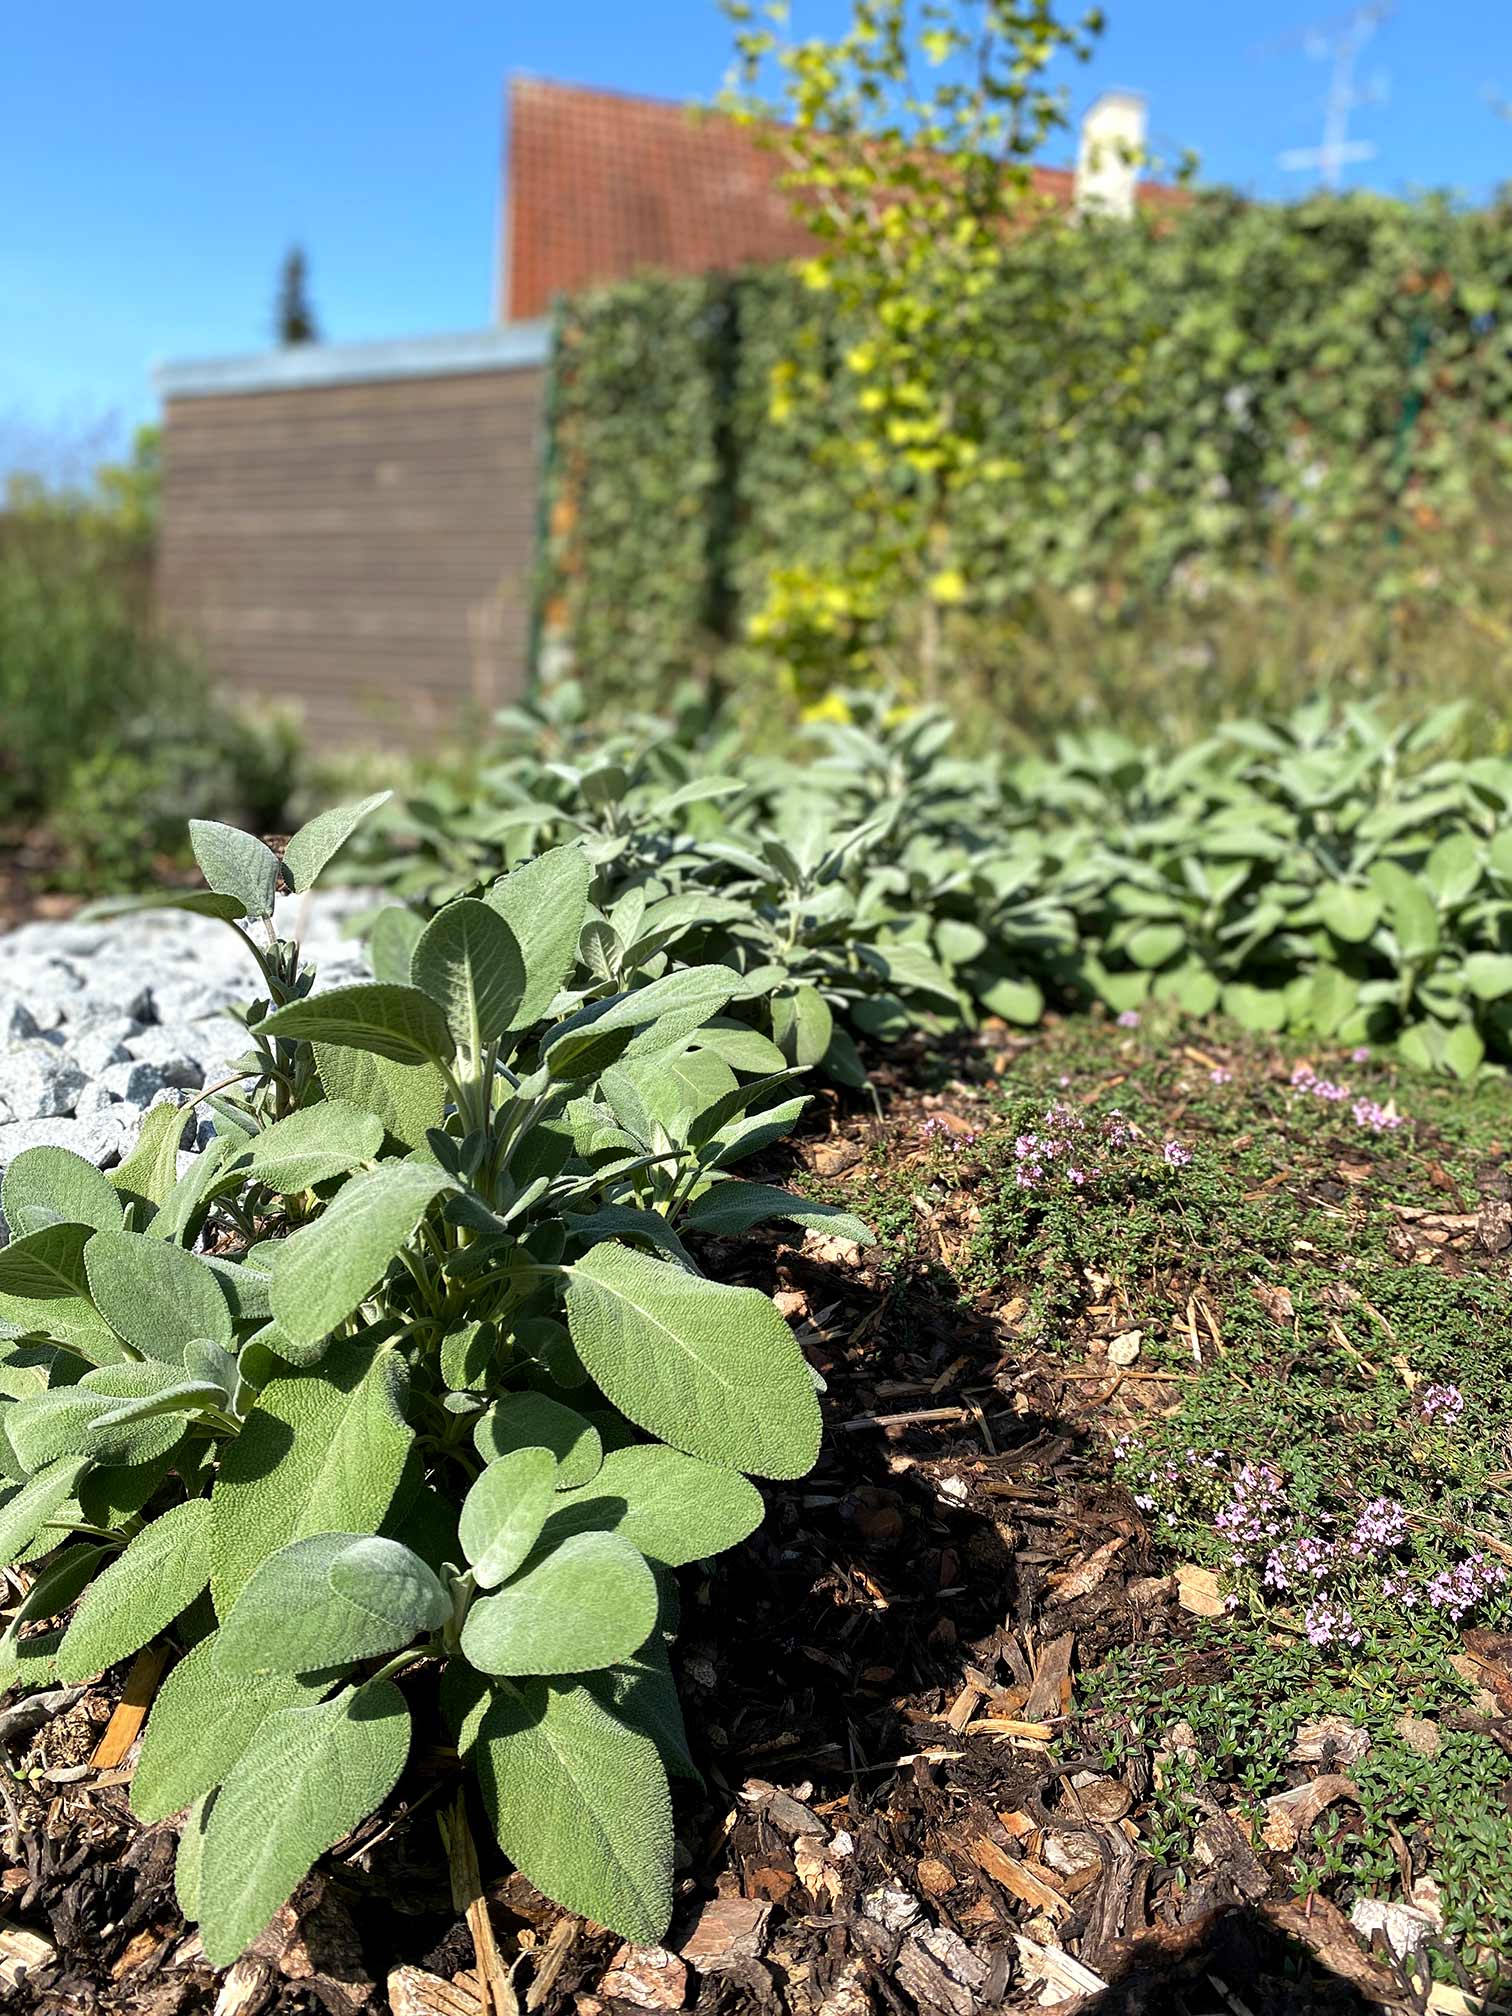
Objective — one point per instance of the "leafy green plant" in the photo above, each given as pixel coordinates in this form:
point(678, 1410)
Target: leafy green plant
point(1332, 875)
point(412, 1366)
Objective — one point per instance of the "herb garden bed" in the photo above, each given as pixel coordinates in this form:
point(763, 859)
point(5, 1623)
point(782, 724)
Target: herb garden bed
point(978, 1724)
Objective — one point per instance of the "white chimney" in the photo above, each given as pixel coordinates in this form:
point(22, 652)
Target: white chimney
point(1107, 160)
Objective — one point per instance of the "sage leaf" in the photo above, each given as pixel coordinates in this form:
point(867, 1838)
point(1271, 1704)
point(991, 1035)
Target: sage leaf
point(469, 962)
point(503, 1513)
point(190, 1858)
point(536, 1421)
point(391, 944)
point(322, 1452)
point(319, 839)
point(45, 1186)
point(155, 1296)
point(149, 1173)
point(325, 1270)
point(671, 1507)
point(330, 1600)
point(587, 1603)
point(201, 1722)
point(399, 1023)
point(159, 1575)
point(46, 1264)
point(308, 1777)
point(713, 1370)
point(728, 1209)
point(24, 1512)
point(409, 1099)
point(580, 1805)
point(310, 1147)
point(236, 864)
point(544, 904)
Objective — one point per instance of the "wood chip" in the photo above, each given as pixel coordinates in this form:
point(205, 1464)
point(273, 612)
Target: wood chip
point(413, 1992)
point(468, 1897)
point(1050, 1693)
point(1332, 1739)
point(1056, 1969)
point(1327, 1934)
point(21, 1953)
point(1017, 1880)
point(729, 1930)
point(1420, 1735)
point(1291, 1815)
point(125, 1725)
point(1108, 1800)
point(246, 1987)
point(964, 1707)
point(1086, 1572)
point(552, 1961)
point(647, 1977)
point(1199, 1591)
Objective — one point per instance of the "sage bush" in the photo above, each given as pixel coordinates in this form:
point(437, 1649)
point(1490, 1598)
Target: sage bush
point(412, 1366)
point(1330, 874)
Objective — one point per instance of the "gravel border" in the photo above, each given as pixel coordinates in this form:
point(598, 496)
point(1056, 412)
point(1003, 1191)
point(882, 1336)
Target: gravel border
point(101, 1021)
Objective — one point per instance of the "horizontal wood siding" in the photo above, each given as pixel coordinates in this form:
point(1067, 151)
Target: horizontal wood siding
point(363, 551)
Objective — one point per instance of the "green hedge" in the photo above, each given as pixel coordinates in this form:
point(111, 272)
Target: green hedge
point(1175, 404)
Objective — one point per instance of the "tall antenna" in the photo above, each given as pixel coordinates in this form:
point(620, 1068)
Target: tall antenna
point(1340, 42)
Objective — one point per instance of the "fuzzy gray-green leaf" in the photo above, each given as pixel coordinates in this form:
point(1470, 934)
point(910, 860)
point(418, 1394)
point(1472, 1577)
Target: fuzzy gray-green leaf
point(141, 1592)
point(580, 1804)
point(306, 1779)
point(711, 1369)
point(326, 1268)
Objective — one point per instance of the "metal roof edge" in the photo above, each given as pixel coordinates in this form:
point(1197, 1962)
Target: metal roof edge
point(517, 347)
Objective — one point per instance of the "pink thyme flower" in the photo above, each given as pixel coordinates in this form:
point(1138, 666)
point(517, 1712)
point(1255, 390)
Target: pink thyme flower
point(1379, 1528)
point(1441, 1401)
point(1176, 1155)
point(1220, 1076)
point(1128, 1019)
point(1460, 1588)
point(1370, 1113)
point(1329, 1623)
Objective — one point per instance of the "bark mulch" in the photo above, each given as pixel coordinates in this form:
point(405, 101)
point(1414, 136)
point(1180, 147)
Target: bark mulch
point(882, 1689)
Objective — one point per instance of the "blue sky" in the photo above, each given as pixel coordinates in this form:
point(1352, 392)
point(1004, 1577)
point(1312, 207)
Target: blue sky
point(157, 160)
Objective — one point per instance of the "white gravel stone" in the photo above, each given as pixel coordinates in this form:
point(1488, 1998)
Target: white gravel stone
point(101, 1021)
point(138, 1084)
point(99, 1047)
point(38, 1081)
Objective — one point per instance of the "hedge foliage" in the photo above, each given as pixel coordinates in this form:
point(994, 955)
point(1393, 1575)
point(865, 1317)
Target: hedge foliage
point(1175, 403)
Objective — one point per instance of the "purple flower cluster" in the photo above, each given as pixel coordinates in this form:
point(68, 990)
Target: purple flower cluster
point(1460, 1588)
point(1360, 1054)
point(1300, 1559)
point(1220, 1075)
point(1330, 1572)
point(1330, 1623)
point(1058, 1147)
point(1177, 1156)
point(936, 1131)
point(1370, 1113)
point(1254, 1513)
point(1380, 1528)
point(1442, 1403)
point(1305, 1079)
point(1128, 1019)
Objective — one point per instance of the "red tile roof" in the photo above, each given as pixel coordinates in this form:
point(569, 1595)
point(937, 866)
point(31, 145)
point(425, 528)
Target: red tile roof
point(600, 185)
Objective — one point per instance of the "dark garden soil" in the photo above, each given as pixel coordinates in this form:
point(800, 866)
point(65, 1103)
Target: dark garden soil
point(918, 1796)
